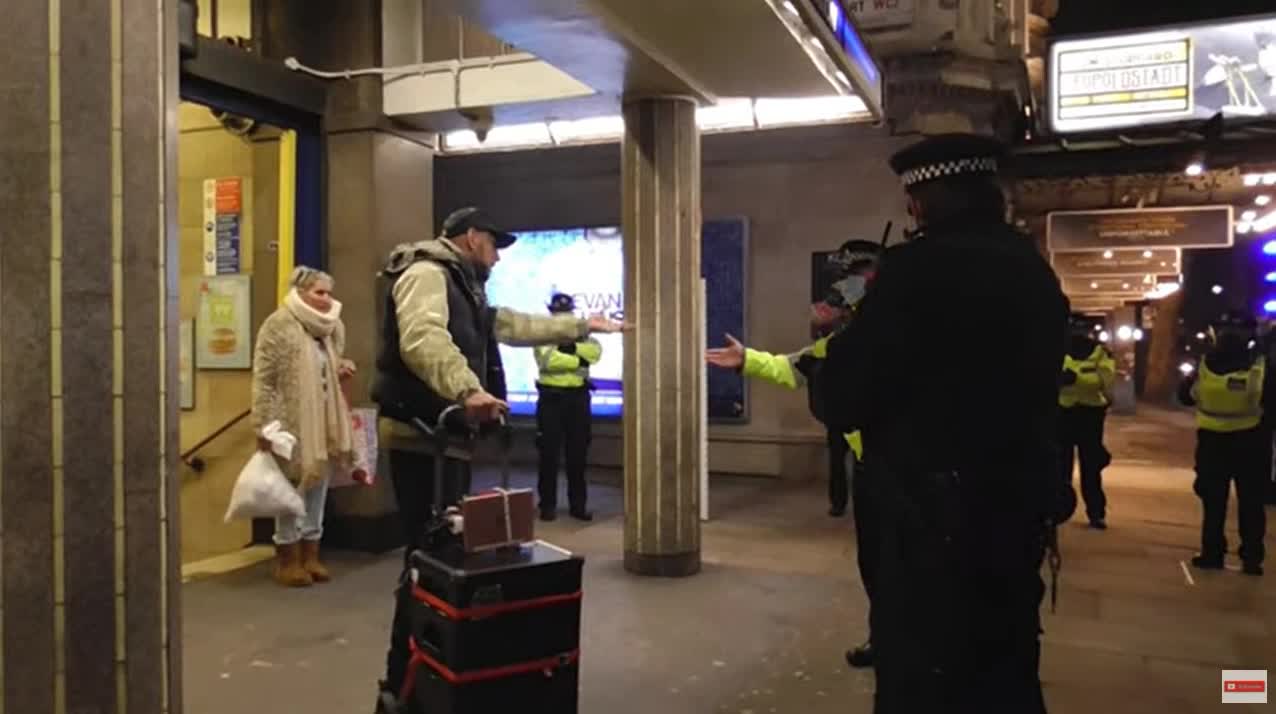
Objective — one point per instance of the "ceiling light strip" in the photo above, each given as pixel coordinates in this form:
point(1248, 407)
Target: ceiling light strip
point(729, 115)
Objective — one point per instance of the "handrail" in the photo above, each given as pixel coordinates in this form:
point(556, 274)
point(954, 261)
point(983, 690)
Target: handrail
point(197, 464)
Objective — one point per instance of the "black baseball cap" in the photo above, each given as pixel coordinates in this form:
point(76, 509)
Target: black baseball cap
point(462, 220)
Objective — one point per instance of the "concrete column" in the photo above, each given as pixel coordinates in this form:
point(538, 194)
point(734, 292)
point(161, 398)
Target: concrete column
point(1163, 376)
point(88, 348)
point(660, 168)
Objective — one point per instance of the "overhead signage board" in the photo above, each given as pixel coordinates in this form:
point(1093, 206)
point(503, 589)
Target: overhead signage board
point(1126, 286)
point(879, 14)
point(1104, 263)
point(865, 75)
point(1195, 227)
point(1094, 308)
point(1165, 76)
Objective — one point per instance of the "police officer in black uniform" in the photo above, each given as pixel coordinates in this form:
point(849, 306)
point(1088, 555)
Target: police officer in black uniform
point(962, 438)
point(1232, 390)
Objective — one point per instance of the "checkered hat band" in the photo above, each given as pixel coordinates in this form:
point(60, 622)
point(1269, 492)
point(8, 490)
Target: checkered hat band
point(943, 169)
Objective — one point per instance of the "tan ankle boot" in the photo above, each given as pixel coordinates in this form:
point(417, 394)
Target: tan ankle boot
point(288, 569)
point(310, 561)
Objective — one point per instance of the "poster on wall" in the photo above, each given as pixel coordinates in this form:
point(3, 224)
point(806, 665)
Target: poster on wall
point(224, 326)
point(186, 364)
point(223, 219)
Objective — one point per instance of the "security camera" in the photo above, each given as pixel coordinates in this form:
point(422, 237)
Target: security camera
point(480, 120)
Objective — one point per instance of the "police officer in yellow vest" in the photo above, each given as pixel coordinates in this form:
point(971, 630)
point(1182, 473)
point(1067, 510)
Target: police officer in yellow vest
point(851, 269)
point(563, 421)
point(1231, 390)
point(1085, 394)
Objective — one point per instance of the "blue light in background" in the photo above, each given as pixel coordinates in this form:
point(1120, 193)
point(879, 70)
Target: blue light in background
point(1269, 306)
point(851, 42)
point(1270, 247)
point(1270, 277)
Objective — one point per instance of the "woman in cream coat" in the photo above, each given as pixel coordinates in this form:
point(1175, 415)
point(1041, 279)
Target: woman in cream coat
point(297, 370)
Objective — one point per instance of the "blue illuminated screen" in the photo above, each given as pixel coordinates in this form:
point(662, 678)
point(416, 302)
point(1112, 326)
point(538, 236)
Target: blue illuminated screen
point(588, 264)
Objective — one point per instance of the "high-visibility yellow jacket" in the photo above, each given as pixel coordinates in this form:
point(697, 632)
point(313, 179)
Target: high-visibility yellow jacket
point(782, 370)
point(567, 371)
point(1095, 376)
point(1230, 402)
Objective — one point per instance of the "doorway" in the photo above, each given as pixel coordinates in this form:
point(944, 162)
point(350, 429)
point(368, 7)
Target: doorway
point(229, 169)
point(251, 176)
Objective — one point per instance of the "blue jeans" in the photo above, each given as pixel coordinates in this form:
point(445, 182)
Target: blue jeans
point(290, 530)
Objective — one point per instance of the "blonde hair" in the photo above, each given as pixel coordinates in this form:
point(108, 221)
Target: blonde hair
point(303, 277)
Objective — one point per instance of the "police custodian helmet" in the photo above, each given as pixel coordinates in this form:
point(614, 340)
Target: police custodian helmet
point(561, 302)
point(947, 156)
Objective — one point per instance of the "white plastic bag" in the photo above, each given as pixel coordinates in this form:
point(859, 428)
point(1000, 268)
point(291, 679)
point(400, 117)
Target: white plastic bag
point(262, 490)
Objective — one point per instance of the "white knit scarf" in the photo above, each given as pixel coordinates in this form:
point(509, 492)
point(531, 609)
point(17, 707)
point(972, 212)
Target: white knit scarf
point(325, 420)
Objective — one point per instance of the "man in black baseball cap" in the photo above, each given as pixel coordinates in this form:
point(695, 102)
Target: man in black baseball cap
point(477, 237)
point(439, 348)
point(464, 220)
point(962, 435)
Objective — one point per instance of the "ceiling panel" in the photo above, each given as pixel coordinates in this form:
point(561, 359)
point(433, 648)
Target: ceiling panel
point(705, 49)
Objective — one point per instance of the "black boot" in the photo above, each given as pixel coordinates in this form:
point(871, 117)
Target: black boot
point(1252, 568)
point(581, 514)
point(1207, 562)
point(861, 657)
point(549, 515)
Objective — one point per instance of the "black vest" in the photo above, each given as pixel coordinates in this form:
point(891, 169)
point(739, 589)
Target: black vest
point(399, 393)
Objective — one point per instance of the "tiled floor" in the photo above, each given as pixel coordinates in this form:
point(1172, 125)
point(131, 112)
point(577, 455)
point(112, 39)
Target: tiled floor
point(763, 628)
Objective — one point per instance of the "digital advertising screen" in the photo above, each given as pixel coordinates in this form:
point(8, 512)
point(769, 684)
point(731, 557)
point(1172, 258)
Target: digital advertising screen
point(589, 265)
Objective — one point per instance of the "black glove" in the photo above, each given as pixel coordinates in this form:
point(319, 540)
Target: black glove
point(1068, 378)
point(568, 349)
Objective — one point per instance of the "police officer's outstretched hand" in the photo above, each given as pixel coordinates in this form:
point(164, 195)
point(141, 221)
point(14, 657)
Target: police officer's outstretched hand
point(602, 324)
point(729, 357)
point(483, 408)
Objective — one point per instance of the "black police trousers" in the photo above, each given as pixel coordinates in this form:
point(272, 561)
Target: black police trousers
point(867, 527)
point(563, 428)
point(1081, 434)
point(1221, 458)
point(955, 611)
point(839, 452)
point(413, 476)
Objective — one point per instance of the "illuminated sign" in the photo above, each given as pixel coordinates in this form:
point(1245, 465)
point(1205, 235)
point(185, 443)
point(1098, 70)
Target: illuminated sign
point(877, 14)
point(1108, 263)
point(868, 79)
point(1100, 288)
point(1197, 227)
point(1164, 76)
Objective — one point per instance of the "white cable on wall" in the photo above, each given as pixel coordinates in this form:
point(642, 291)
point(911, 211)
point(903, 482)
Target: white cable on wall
point(448, 66)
